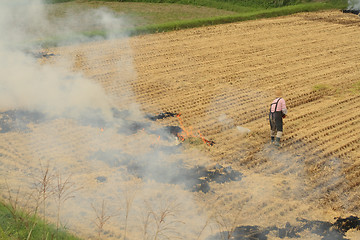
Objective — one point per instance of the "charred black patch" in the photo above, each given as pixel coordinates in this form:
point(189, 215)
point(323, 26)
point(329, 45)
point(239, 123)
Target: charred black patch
point(129, 127)
point(101, 179)
point(218, 174)
point(249, 232)
point(353, 11)
point(167, 133)
point(43, 55)
point(209, 142)
point(174, 130)
point(132, 127)
point(17, 120)
point(325, 230)
point(194, 179)
point(345, 224)
point(161, 116)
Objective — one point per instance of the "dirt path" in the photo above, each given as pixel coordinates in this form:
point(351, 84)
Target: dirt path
point(221, 80)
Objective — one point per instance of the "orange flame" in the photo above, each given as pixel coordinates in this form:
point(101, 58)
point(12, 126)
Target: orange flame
point(182, 126)
point(207, 142)
point(189, 133)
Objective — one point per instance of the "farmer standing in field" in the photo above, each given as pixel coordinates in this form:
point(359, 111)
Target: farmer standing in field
point(278, 111)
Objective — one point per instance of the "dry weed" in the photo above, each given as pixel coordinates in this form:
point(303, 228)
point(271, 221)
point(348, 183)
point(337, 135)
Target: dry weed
point(102, 217)
point(164, 220)
point(226, 222)
point(63, 191)
point(129, 195)
point(145, 224)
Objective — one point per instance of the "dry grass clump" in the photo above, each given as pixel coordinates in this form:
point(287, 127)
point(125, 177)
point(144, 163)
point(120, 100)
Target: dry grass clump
point(163, 220)
point(26, 207)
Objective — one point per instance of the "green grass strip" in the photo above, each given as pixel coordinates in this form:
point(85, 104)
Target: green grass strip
point(268, 13)
point(18, 225)
point(229, 5)
point(171, 26)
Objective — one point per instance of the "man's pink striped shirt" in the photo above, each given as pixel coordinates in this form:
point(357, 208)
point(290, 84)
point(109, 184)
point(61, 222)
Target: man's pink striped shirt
point(281, 105)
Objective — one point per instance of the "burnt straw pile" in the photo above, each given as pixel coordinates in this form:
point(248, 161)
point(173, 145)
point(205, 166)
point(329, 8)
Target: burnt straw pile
point(18, 120)
point(353, 11)
point(156, 168)
point(182, 133)
point(197, 178)
point(41, 54)
point(325, 230)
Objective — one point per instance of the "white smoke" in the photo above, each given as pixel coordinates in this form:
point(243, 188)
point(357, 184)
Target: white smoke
point(61, 94)
point(47, 88)
point(27, 22)
point(354, 4)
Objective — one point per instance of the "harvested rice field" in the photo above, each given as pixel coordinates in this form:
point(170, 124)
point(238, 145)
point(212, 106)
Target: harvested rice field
point(182, 148)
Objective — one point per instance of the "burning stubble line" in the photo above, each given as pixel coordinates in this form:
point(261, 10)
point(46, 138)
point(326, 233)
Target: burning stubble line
point(188, 133)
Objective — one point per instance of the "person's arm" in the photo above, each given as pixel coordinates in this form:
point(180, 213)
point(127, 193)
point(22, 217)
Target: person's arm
point(283, 108)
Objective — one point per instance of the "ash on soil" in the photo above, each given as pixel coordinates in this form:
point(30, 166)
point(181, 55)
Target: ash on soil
point(17, 120)
point(194, 179)
point(325, 230)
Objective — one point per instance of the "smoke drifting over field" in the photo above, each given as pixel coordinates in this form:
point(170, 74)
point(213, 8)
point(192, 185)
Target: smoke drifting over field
point(73, 111)
point(354, 4)
point(84, 128)
point(49, 89)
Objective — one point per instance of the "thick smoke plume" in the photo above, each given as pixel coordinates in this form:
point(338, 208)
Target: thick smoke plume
point(49, 89)
point(353, 4)
point(68, 113)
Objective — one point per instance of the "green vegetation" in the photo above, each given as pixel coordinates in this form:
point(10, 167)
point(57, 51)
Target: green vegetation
point(321, 87)
point(356, 87)
point(230, 5)
point(17, 224)
point(151, 16)
point(274, 12)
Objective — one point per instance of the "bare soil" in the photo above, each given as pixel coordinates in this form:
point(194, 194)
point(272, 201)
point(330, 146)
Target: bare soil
point(221, 79)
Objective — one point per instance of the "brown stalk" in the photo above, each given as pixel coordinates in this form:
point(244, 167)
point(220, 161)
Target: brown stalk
point(129, 194)
point(165, 221)
point(64, 190)
point(145, 223)
point(101, 218)
point(225, 225)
